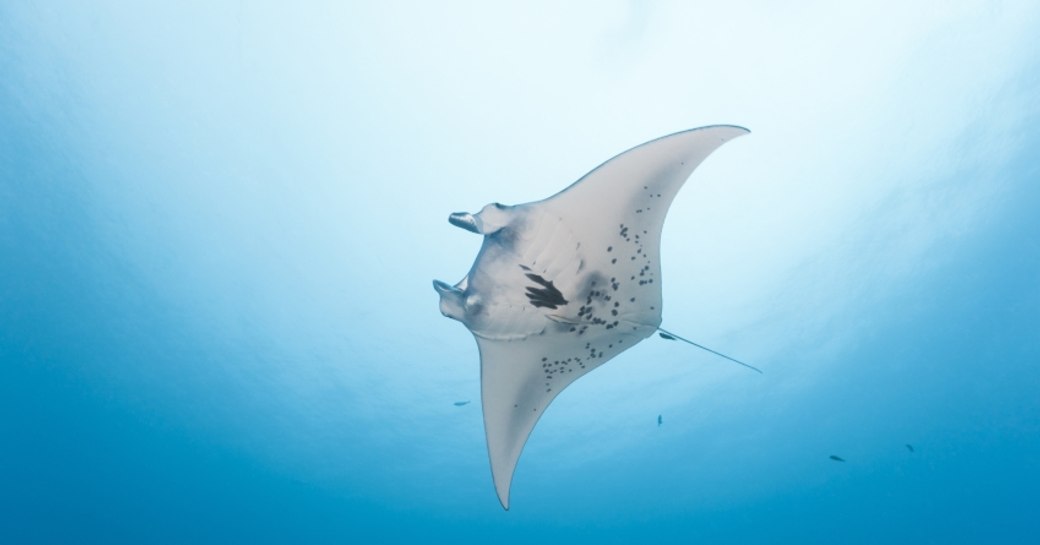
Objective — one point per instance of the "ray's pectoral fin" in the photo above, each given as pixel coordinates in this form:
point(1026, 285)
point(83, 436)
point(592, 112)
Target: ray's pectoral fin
point(520, 377)
point(514, 396)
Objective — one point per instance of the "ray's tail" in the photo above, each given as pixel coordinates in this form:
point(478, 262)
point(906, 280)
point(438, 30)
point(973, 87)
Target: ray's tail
point(665, 334)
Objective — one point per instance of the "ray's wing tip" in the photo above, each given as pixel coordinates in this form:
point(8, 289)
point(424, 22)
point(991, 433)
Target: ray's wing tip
point(502, 478)
point(724, 132)
point(503, 497)
point(741, 131)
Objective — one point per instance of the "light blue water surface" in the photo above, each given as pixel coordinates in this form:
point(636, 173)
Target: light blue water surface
point(219, 222)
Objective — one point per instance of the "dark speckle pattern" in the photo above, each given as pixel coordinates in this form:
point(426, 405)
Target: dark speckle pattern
point(545, 296)
point(601, 304)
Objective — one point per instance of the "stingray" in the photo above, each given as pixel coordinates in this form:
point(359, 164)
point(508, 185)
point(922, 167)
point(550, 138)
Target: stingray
point(562, 285)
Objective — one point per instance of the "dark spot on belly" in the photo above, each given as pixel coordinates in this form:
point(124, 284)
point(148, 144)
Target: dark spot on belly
point(544, 294)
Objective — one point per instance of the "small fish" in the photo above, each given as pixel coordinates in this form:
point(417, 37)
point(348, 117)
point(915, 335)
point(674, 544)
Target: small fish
point(659, 421)
point(461, 403)
point(666, 336)
point(837, 458)
point(909, 447)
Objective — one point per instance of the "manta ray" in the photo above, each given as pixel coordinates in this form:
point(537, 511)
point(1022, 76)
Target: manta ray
point(562, 285)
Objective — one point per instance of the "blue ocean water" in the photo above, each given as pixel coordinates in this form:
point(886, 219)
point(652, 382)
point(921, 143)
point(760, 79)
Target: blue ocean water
point(219, 223)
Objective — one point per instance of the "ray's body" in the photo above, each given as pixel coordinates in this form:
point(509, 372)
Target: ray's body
point(561, 286)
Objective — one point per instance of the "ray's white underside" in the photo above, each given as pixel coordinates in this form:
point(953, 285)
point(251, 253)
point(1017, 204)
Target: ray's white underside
point(562, 285)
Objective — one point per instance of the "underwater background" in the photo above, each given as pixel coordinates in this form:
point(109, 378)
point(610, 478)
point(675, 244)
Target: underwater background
point(219, 222)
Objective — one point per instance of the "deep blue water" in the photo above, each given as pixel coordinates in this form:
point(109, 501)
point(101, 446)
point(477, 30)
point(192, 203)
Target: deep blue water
point(218, 225)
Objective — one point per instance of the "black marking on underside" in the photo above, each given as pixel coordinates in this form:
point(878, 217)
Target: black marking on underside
point(545, 296)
